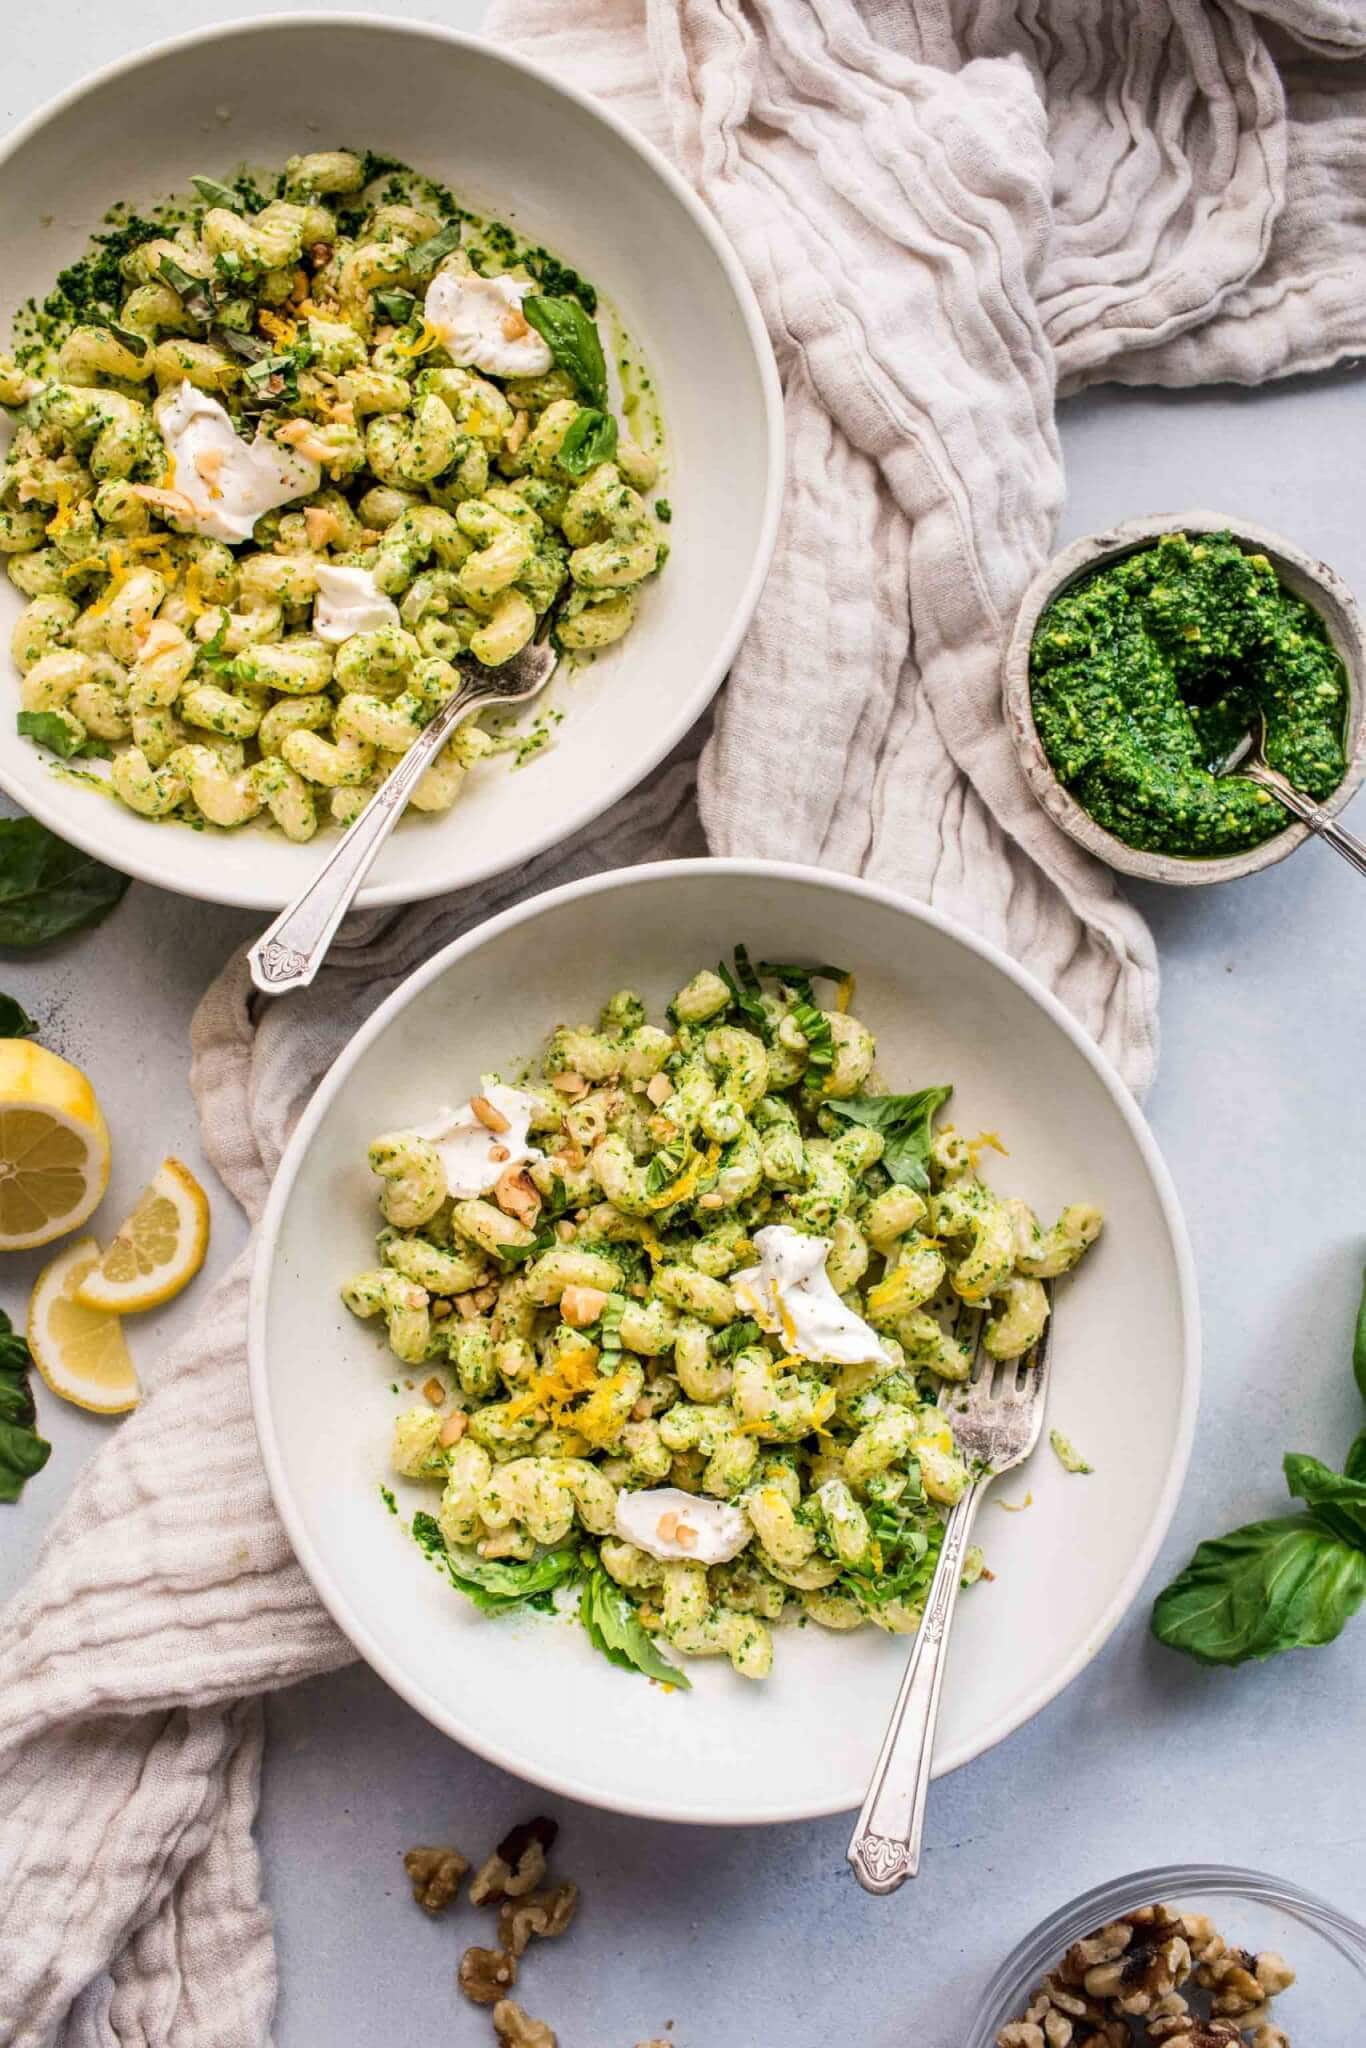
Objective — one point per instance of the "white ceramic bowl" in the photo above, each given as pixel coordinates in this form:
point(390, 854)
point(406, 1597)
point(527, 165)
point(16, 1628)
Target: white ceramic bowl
point(532, 1694)
point(512, 141)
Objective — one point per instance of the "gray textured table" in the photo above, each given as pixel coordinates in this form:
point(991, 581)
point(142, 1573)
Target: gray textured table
point(760, 1937)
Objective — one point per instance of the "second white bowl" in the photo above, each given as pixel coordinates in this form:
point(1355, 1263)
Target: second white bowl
point(513, 142)
point(532, 1694)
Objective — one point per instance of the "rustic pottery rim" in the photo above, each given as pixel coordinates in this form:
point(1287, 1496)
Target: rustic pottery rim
point(1301, 573)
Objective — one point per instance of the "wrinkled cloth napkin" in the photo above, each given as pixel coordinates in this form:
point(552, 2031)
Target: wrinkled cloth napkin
point(951, 210)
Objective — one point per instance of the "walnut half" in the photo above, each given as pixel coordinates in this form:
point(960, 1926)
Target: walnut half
point(517, 1865)
point(485, 1974)
point(436, 1875)
point(517, 2029)
point(547, 1914)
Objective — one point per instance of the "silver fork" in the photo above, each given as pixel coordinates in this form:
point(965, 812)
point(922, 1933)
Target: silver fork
point(289, 952)
point(996, 1416)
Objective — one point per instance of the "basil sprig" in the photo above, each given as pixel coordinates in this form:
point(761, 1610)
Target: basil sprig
point(573, 340)
point(591, 438)
point(612, 1627)
point(47, 888)
point(907, 1126)
point(15, 1021)
point(22, 1451)
point(1290, 1583)
point(495, 1586)
point(51, 730)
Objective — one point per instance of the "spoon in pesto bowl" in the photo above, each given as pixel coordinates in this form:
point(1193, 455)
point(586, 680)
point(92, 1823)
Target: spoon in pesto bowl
point(1248, 759)
point(289, 952)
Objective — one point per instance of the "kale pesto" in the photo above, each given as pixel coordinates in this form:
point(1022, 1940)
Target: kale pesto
point(1147, 672)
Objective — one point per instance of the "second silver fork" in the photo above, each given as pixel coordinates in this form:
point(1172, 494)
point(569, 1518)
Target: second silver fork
point(996, 1417)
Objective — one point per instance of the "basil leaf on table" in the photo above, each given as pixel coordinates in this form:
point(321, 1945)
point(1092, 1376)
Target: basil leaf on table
point(22, 1451)
point(48, 888)
point(494, 1586)
point(907, 1126)
point(52, 731)
point(1337, 1500)
point(1359, 1343)
point(1287, 1584)
point(612, 1627)
point(591, 438)
point(574, 342)
point(1355, 1468)
point(15, 1022)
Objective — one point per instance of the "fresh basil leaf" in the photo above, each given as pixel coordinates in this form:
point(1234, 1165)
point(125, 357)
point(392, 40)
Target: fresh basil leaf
point(1338, 1501)
point(745, 993)
point(494, 1586)
point(1355, 1468)
point(272, 381)
point(612, 1627)
point(14, 1356)
point(907, 1125)
point(736, 1337)
point(22, 1451)
point(214, 194)
point(609, 1323)
point(591, 439)
point(193, 292)
point(516, 1254)
point(425, 257)
point(1359, 1342)
point(48, 888)
point(15, 1022)
point(396, 306)
point(801, 978)
point(814, 1026)
point(664, 1169)
point(250, 347)
point(573, 340)
point(136, 344)
point(50, 730)
point(1286, 1584)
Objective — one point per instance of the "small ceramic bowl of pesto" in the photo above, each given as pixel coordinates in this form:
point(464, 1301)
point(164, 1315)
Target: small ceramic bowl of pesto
point(1140, 659)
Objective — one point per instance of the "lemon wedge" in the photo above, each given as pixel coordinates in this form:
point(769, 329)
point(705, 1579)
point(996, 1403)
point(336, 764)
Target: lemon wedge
point(79, 1351)
point(54, 1146)
point(157, 1251)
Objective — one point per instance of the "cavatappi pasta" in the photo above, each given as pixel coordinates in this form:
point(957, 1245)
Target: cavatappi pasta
point(679, 1309)
point(278, 461)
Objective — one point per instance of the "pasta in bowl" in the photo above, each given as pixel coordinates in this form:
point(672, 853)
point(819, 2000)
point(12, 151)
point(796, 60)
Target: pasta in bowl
point(313, 430)
point(534, 1690)
point(683, 1352)
point(278, 462)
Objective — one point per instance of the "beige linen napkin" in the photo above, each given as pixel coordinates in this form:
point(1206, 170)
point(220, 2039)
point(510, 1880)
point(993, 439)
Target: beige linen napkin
point(948, 209)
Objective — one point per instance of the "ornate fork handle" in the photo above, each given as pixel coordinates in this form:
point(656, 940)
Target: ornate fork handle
point(1318, 820)
point(289, 952)
point(885, 1847)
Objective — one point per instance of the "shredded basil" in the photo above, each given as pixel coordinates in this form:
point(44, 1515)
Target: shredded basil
point(214, 194)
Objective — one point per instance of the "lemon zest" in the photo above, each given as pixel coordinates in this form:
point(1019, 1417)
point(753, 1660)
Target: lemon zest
point(425, 338)
point(276, 326)
point(1016, 1507)
point(68, 498)
point(786, 1323)
point(552, 1391)
point(844, 995)
point(985, 1141)
point(686, 1184)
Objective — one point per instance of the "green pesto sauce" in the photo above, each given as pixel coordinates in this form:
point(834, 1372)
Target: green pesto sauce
point(1146, 673)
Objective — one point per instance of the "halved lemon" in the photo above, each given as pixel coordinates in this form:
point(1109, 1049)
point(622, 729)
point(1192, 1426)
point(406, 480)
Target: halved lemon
point(157, 1251)
point(79, 1351)
point(54, 1146)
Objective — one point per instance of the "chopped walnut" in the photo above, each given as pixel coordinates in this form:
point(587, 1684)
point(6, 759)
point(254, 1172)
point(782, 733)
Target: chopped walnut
point(485, 1974)
point(517, 2029)
point(436, 1875)
point(546, 1914)
point(1123, 1984)
point(517, 1865)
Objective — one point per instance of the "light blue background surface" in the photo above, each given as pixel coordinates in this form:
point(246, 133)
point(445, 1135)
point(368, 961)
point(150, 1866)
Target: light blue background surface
point(761, 1937)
